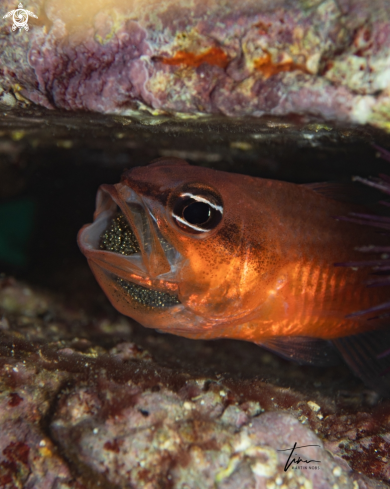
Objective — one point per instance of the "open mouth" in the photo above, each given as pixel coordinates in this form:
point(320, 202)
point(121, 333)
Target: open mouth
point(118, 237)
point(148, 297)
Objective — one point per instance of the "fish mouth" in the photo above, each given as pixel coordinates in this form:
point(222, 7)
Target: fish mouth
point(124, 242)
point(148, 297)
point(119, 237)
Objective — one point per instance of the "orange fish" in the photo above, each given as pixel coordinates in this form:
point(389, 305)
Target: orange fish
point(207, 254)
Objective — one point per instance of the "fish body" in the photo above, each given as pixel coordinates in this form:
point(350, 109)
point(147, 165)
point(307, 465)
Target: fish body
point(221, 255)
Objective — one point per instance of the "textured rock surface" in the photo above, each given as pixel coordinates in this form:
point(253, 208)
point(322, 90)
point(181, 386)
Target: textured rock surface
point(83, 406)
point(90, 399)
point(316, 58)
point(191, 439)
point(28, 458)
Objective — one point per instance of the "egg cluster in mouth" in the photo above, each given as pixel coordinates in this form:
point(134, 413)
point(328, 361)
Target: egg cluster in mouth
point(120, 238)
point(148, 297)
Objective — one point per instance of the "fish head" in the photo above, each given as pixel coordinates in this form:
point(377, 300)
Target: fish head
point(193, 266)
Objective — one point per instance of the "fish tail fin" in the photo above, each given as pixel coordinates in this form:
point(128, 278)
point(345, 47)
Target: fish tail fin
point(368, 355)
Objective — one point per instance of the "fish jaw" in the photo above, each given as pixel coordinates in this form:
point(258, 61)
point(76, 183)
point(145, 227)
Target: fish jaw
point(154, 269)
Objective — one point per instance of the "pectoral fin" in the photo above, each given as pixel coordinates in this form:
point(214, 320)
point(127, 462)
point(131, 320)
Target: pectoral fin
point(304, 350)
point(368, 355)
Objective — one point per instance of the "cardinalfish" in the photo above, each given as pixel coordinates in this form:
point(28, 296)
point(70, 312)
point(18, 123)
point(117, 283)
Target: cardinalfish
point(206, 254)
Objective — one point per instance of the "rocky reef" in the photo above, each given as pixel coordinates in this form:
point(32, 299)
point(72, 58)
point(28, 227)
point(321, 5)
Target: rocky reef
point(90, 398)
point(296, 91)
point(314, 58)
point(83, 404)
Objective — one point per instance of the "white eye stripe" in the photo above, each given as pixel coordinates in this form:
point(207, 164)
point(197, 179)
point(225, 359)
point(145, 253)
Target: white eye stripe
point(183, 221)
point(198, 198)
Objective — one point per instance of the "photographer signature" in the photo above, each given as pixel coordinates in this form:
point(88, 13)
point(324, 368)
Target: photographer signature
point(299, 460)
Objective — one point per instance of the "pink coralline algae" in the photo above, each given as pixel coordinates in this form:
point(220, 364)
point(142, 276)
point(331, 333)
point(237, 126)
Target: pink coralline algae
point(28, 458)
point(327, 59)
point(168, 440)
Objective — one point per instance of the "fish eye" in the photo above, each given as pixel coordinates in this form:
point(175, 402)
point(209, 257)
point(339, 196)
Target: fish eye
point(198, 212)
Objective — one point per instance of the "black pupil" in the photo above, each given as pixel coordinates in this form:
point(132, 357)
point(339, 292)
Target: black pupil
point(197, 213)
